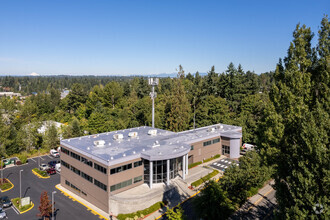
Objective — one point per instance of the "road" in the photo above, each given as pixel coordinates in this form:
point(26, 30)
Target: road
point(33, 186)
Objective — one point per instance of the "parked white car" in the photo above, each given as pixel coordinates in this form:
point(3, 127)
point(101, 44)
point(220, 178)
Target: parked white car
point(58, 167)
point(43, 166)
point(54, 153)
point(248, 146)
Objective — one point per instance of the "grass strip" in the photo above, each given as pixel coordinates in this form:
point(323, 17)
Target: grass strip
point(141, 213)
point(40, 172)
point(205, 178)
point(5, 184)
point(17, 203)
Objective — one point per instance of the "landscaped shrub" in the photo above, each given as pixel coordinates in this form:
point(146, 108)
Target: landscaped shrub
point(141, 213)
point(41, 172)
point(212, 158)
point(5, 185)
point(23, 157)
point(194, 164)
point(205, 178)
point(16, 202)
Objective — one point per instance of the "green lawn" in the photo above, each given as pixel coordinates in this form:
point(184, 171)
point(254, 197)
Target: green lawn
point(16, 203)
point(41, 172)
point(205, 178)
point(141, 213)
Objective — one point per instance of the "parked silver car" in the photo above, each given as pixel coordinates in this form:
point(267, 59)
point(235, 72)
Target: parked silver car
point(3, 214)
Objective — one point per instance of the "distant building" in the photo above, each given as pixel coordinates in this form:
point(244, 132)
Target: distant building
point(10, 94)
point(64, 93)
point(98, 166)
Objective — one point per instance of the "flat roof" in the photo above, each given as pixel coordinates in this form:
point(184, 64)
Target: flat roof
point(164, 145)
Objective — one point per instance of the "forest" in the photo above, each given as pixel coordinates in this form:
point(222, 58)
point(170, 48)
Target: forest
point(284, 112)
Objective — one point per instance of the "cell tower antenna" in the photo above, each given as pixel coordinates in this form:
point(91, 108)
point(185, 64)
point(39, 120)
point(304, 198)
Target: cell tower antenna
point(153, 82)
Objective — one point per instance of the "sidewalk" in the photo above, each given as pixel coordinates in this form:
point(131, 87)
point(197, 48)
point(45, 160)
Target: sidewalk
point(263, 192)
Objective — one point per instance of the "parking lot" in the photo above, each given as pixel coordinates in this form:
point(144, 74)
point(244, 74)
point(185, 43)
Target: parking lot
point(223, 164)
point(33, 186)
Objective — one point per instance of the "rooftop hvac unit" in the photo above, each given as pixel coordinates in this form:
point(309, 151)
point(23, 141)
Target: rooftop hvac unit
point(118, 136)
point(210, 129)
point(132, 134)
point(152, 132)
point(99, 143)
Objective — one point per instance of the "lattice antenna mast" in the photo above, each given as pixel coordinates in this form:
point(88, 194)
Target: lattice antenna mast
point(153, 82)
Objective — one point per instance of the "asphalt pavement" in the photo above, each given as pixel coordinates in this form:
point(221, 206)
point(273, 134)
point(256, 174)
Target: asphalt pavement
point(33, 186)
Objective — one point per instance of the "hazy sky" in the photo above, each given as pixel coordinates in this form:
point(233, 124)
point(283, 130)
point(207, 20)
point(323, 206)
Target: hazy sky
point(124, 37)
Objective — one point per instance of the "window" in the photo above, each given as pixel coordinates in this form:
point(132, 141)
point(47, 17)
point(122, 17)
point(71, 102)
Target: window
point(75, 156)
point(192, 147)
point(83, 193)
point(75, 170)
point(225, 149)
point(64, 150)
point(122, 168)
point(207, 143)
point(137, 179)
point(86, 161)
point(216, 140)
point(99, 184)
point(138, 163)
point(121, 185)
point(75, 188)
point(67, 182)
point(87, 177)
point(100, 168)
point(65, 164)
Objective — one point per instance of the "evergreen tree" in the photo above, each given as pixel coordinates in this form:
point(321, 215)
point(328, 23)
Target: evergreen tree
point(298, 134)
point(175, 213)
point(51, 138)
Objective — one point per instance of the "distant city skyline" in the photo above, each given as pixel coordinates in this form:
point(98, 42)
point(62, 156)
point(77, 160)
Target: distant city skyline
point(148, 37)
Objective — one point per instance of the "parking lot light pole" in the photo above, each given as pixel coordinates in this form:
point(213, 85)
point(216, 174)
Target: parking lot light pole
point(2, 170)
point(20, 185)
point(53, 205)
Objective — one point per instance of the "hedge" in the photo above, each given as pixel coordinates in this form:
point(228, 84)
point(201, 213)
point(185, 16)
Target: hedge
point(205, 178)
point(141, 213)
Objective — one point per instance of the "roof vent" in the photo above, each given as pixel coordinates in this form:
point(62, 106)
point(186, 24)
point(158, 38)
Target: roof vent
point(118, 136)
point(143, 149)
point(133, 134)
point(80, 138)
point(99, 143)
point(88, 148)
point(152, 132)
point(134, 152)
point(69, 140)
point(210, 129)
point(111, 158)
point(156, 144)
point(124, 155)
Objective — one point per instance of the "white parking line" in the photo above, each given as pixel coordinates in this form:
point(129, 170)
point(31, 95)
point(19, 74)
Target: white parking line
point(15, 210)
point(42, 158)
point(49, 157)
point(33, 160)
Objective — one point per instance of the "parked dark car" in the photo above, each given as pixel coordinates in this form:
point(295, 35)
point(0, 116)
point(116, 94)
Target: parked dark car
point(51, 171)
point(53, 163)
point(5, 202)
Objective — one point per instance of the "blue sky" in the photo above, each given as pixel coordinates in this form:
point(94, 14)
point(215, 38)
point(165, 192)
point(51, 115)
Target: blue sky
point(148, 37)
